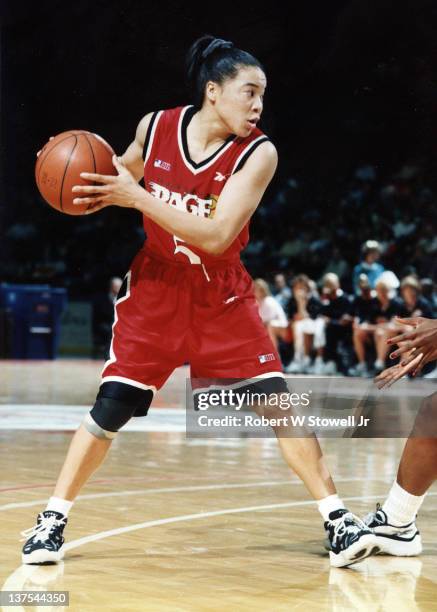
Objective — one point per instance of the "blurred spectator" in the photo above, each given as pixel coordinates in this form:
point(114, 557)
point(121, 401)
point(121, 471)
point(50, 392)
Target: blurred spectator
point(307, 326)
point(404, 226)
point(369, 266)
point(282, 291)
point(271, 312)
point(337, 312)
point(103, 318)
point(362, 303)
point(337, 264)
point(412, 304)
point(429, 293)
point(375, 329)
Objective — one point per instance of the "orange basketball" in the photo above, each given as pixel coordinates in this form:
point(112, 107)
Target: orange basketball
point(61, 161)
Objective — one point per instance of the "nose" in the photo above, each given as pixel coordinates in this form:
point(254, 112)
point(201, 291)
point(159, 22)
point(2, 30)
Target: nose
point(258, 104)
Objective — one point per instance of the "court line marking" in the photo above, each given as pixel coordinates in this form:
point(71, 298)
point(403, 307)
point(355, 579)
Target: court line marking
point(188, 488)
point(201, 515)
point(15, 580)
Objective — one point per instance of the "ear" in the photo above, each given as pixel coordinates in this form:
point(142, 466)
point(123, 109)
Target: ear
point(211, 91)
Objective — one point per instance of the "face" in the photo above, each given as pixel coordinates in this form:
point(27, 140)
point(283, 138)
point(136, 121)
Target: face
point(259, 292)
point(330, 284)
point(239, 101)
point(280, 281)
point(381, 292)
point(372, 256)
point(300, 288)
point(409, 294)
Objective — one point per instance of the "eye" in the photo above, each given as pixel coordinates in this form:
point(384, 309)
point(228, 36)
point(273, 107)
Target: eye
point(250, 93)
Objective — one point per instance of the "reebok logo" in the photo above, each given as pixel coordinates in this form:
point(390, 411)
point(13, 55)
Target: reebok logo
point(231, 299)
point(219, 177)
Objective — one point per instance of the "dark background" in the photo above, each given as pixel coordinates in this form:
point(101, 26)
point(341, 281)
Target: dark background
point(350, 83)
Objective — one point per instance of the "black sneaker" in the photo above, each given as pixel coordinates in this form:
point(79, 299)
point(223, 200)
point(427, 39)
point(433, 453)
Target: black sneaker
point(45, 542)
point(400, 541)
point(350, 540)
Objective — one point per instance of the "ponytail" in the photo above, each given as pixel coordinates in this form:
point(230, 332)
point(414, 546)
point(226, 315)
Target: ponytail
point(214, 59)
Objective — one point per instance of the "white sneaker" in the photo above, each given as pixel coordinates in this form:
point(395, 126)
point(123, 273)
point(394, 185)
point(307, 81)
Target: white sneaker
point(319, 367)
point(294, 367)
point(359, 370)
point(349, 539)
point(379, 365)
point(330, 368)
point(402, 541)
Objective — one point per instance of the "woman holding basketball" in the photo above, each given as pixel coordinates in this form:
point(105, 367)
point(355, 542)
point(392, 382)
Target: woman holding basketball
point(187, 297)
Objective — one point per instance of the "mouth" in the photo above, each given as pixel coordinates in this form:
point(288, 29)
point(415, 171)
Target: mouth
point(253, 121)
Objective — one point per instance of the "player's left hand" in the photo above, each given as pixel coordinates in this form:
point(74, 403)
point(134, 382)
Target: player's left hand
point(121, 190)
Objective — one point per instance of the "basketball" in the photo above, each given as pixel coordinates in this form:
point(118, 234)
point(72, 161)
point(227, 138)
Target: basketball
point(61, 161)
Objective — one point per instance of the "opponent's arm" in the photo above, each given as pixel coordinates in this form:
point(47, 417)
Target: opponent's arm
point(417, 346)
point(237, 202)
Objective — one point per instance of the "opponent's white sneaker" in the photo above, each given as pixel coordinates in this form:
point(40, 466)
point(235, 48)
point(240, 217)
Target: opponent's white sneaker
point(400, 541)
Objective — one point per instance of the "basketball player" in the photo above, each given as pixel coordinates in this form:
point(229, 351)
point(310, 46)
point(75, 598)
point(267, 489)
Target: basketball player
point(187, 296)
point(394, 523)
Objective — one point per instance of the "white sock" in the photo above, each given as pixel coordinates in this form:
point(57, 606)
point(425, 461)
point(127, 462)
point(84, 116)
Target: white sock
point(56, 504)
point(329, 504)
point(400, 506)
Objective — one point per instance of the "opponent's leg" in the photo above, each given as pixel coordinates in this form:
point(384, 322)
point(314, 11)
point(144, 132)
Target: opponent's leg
point(418, 466)
point(394, 522)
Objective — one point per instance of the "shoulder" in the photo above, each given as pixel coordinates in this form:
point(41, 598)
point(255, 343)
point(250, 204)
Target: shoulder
point(259, 158)
point(147, 122)
point(142, 128)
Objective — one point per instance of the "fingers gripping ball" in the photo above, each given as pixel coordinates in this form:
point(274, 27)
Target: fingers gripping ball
point(61, 161)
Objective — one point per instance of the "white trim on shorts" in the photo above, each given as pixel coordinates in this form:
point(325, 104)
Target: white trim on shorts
point(129, 381)
point(241, 383)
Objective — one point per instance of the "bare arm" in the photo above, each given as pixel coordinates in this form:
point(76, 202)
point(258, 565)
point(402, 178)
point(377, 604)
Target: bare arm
point(417, 346)
point(132, 158)
point(237, 202)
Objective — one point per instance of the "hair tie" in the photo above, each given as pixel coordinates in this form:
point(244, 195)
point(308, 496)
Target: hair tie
point(216, 44)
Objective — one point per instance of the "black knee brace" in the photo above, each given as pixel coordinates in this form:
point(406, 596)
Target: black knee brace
point(115, 404)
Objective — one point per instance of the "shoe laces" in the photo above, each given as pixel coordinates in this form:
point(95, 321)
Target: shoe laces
point(340, 528)
point(43, 529)
point(373, 516)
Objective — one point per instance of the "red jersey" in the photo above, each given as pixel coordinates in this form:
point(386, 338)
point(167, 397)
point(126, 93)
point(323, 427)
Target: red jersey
point(173, 177)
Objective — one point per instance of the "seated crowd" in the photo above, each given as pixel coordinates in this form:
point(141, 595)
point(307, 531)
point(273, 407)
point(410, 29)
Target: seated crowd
point(321, 330)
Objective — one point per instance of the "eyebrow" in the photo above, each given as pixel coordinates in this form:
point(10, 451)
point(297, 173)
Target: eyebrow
point(254, 85)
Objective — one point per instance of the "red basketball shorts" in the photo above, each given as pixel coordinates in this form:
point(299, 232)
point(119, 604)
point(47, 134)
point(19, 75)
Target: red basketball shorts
point(170, 313)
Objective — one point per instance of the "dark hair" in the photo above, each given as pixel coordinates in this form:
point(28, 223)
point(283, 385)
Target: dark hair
point(214, 59)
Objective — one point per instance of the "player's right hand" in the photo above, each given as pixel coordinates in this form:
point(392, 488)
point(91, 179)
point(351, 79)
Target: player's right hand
point(389, 376)
point(39, 152)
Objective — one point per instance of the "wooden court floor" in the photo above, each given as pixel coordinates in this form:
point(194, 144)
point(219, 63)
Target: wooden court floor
point(191, 525)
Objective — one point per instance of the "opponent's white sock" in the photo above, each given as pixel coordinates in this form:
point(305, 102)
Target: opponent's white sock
point(400, 506)
point(329, 504)
point(57, 504)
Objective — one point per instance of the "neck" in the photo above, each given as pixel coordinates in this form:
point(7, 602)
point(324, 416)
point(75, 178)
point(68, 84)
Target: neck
point(207, 129)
